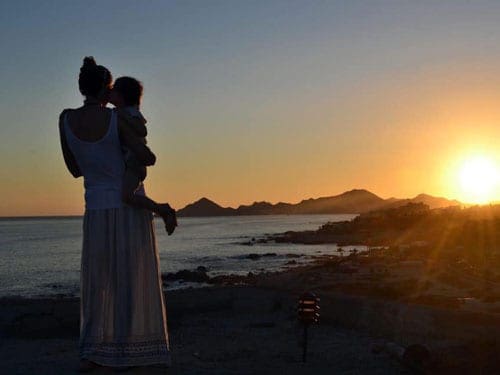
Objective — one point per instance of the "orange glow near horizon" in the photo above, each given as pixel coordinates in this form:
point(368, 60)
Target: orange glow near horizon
point(400, 144)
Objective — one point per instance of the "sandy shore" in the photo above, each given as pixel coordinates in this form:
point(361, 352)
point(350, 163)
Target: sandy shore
point(370, 319)
point(220, 330)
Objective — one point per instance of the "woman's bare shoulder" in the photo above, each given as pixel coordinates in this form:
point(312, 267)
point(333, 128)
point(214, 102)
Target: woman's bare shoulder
point(76, 112)
point(63, 114)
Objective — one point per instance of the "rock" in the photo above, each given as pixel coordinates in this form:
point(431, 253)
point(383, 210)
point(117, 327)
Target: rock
point(202, 269)
point(290, 262)
point(228, 279)
point(255, 256)
point(290, 255)
point(187, 275)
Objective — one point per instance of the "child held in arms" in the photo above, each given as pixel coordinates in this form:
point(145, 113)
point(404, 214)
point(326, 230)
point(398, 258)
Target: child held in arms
point(126, 96)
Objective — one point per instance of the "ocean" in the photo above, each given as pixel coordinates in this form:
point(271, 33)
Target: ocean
point(41, 256)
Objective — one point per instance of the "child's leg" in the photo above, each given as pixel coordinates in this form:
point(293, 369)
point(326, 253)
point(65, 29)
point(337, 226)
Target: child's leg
point(131, 183)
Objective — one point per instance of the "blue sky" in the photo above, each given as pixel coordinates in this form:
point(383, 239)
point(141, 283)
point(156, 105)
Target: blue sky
point(249, 100)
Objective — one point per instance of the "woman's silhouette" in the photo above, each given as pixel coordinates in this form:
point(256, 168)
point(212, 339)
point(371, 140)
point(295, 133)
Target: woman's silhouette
point(123, 319)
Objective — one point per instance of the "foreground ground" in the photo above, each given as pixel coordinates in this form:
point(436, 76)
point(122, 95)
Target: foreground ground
point(231, 330)
point(383, 312)
point(207, 348)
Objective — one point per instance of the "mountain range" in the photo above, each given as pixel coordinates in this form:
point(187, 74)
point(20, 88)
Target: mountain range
point(355, 201)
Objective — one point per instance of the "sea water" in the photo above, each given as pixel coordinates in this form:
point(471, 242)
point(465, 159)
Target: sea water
point(41, 256)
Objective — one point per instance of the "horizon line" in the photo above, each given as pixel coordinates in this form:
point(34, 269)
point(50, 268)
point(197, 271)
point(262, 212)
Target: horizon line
point(73, 216)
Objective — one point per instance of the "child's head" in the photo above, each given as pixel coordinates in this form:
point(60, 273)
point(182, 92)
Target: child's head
point(126, 92)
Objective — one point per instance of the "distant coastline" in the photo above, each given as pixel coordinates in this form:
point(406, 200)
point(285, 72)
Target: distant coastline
point(356, 201)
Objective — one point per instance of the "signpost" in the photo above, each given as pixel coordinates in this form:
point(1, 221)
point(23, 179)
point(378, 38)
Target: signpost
point(308, 313)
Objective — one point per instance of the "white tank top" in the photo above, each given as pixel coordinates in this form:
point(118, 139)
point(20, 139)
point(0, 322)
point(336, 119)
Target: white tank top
point(102, 166)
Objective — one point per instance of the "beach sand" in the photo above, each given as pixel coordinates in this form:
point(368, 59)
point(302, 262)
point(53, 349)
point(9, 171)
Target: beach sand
point(220, 330)
point(370, 318)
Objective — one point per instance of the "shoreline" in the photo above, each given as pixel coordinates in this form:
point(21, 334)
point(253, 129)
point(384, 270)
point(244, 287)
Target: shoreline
point(348, 274)
point(282, 262)
point(53, 249)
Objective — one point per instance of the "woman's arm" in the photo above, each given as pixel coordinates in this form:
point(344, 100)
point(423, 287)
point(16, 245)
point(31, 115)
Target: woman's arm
point(69, 159)
point(135, 144)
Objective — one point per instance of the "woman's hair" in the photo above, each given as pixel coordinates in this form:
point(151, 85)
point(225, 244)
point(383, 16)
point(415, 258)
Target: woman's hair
point(93, 78)
point(130, 89)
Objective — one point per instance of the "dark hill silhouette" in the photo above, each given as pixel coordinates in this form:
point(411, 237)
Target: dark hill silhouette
point(205, 207)
point(356, 201)
point(257, 208)
point(435, 202)
point(429, 200)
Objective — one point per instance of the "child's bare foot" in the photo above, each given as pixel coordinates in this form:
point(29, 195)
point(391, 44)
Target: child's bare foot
point(170, 224)
point(167, 213)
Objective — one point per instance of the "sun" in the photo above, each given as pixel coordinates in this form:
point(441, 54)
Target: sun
point(479, 178)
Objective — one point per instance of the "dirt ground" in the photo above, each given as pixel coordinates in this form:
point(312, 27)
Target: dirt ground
point(230, 331)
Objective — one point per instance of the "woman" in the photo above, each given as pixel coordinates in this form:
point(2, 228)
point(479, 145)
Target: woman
point(122, 315)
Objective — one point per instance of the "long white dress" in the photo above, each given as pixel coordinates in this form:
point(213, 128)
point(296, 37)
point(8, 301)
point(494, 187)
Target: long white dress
point(122, 316)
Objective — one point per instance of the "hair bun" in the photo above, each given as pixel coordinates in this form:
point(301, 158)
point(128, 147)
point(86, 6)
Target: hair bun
point(93, 78)
point(88, 62)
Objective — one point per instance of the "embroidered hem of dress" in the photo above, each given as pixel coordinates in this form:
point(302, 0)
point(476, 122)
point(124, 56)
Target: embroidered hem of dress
point(127, 354)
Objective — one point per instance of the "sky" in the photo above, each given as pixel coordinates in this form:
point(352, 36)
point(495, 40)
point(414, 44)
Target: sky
point(259, 100)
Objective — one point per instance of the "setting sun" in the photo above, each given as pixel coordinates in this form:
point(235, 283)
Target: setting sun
point(479, 177)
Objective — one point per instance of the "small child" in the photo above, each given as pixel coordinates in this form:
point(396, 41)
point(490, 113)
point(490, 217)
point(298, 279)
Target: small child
point(126, 97)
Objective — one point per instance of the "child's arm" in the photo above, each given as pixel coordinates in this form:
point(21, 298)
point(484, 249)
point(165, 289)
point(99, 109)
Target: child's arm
point(69, 158)
point(135, 123)
point(135, 144)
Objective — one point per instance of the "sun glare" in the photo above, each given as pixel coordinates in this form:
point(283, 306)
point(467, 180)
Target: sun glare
point(479, 179)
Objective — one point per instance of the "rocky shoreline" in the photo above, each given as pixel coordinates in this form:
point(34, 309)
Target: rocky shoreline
point(202, 274)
